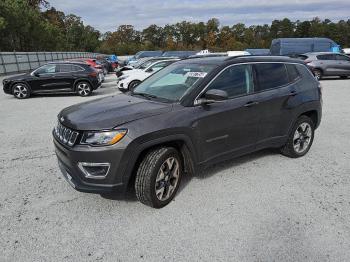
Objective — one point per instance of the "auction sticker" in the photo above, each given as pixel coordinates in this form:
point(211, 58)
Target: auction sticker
point(196, 74)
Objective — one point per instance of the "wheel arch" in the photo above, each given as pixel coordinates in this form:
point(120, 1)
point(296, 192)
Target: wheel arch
point(80, 80)
point(180, 142)
point(133, 81)
point(21, 82)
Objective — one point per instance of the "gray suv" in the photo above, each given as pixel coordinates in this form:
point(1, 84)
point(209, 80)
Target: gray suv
point(327, 64)
point(191, 114)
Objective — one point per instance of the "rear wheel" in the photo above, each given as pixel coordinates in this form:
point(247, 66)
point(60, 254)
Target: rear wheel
point(83, 88)
point(158, 177)
point(300, 139)
point(20, 91)
point(343, 77)
point(133, 85)
point(318, 74)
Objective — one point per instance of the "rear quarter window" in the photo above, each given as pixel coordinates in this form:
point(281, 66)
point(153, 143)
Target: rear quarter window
point(270, 75)
point(293, 72)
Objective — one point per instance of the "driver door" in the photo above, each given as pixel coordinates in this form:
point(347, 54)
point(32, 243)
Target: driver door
point(43, 79)
point(229, 127)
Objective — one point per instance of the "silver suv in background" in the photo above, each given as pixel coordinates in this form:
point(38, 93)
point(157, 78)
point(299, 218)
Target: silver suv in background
point(327, 64)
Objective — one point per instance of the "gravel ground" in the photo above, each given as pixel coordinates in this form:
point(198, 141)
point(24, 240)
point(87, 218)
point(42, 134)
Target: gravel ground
point(260, 207)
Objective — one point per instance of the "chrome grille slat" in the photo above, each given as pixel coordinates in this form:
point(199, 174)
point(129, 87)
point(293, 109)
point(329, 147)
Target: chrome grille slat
point(65, 135)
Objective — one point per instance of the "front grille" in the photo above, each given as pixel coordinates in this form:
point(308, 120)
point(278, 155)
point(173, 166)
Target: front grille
point(65, 135)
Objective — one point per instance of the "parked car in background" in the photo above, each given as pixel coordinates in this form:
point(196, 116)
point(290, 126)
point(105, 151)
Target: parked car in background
point(188, 116)
point(60, 77)
point(129, 80)
point(142, 54)
point(179, 54)
point(346, 51)
point(327, 64)
point(96, 65)
point(258, 51)
point(143, 63)
point(297, 46)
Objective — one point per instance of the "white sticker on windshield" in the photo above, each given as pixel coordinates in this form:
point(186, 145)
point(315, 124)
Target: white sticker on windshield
point(196, 74)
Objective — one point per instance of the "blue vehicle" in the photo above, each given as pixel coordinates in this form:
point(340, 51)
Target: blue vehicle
point(297, 46)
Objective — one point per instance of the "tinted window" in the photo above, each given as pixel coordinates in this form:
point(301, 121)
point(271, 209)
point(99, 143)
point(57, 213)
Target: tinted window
point(160, 65)
point(235, 80)
point(326, 57)
point(47, 69)
point(77, 68)
point(292, 72)
point(65, 68)
point(302, 57)
point(342, 57)
point(271, 75)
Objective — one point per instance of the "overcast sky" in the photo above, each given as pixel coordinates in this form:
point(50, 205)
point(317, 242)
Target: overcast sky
point(107, 15)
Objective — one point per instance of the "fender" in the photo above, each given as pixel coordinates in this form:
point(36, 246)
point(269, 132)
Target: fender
point(189, 150)
point(78, 80)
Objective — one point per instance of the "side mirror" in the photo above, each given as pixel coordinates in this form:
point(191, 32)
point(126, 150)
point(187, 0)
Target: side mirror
point(36, 74)
point(150, 70)
point(212, 96)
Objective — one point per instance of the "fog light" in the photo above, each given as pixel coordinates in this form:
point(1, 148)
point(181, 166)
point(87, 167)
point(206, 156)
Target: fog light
point(94, 170)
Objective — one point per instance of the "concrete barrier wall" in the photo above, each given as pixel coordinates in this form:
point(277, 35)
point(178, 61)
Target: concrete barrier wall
point(16, 62)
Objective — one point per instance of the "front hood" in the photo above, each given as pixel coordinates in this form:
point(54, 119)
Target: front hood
point(17, 77)
point(109, 112)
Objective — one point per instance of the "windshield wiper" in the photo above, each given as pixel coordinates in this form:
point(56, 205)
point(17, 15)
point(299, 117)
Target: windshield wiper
point(146, 95)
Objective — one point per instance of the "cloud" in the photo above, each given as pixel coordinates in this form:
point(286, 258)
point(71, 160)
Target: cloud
point(106, 15)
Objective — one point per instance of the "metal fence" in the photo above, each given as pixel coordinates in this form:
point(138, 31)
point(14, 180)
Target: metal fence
point(16, 62)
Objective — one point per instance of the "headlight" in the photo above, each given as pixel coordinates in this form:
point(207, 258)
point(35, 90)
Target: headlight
point(104, 138)
point(123, 77)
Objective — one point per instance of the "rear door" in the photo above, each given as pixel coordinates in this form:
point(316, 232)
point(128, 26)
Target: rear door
point(230, 126)
point(329, 64)
point(343, 64)
point(274, 90)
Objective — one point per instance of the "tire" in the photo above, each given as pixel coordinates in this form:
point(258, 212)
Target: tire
point(21, 91)
point(343, 77)
point(305, 128)
point(133, 84)
point(83, 88)
point(318, 74)
point(158, 177)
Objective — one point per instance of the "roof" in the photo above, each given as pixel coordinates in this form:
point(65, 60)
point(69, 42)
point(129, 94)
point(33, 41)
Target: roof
point(240, 59)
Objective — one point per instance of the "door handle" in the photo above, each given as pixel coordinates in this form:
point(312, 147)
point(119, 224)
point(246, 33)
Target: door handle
point(251, 103)
point(293, 93)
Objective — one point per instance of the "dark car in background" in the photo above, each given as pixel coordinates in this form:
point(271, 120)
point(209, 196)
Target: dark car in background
point(179, 54)
point(327, 64)
point(187, 116)
point(60, 77)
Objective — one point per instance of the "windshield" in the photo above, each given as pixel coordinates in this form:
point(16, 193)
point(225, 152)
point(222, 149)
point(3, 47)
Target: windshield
point(174, 81)
point(145, 64)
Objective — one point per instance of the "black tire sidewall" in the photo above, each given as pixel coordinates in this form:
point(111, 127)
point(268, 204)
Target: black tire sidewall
point(170, 152)
point(133, 84)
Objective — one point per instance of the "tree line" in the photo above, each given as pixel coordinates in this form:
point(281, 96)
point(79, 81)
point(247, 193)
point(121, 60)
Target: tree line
point(32, 25)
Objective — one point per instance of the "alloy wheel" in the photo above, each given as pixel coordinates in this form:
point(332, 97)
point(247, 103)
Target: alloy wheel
point(84, 89)
point(20, 91)
point(302, 138)
point(167, 179)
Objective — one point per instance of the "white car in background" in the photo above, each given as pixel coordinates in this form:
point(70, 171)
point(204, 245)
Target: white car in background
point(130, 79)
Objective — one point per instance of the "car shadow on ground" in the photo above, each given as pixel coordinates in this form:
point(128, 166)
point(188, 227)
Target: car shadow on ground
point(130, 195)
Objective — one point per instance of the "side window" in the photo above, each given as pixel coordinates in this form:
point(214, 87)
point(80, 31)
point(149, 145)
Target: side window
point(65, 68)
point(343, 58)
point(235, 80)
point(271, 75)
point(47, 69)
point(292, 72)
point(159, 66)
point(76, 68)
point(326, 57)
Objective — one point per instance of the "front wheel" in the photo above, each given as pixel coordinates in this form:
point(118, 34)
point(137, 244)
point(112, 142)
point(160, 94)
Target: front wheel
point(20, 91)
point(158, 177)
point(300, 139)
point(133, 85)
point(83, 88)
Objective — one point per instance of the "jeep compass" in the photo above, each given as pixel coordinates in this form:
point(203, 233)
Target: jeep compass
point(191, 114)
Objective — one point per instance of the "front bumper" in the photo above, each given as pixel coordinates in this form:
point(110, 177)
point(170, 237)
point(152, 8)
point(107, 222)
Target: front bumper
point(69, 158)
point(7, 87)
